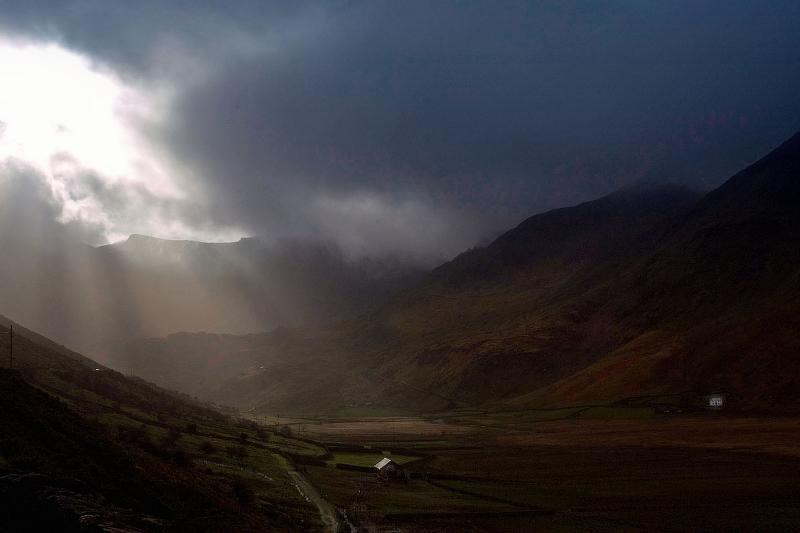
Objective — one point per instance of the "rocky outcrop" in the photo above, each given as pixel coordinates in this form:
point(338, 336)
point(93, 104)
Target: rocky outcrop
point(35, 502)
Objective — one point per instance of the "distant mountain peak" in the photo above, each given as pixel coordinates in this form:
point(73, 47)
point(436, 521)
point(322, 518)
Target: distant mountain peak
point(138, 237)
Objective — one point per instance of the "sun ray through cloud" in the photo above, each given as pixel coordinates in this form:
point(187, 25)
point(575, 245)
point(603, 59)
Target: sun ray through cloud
point(82, 128)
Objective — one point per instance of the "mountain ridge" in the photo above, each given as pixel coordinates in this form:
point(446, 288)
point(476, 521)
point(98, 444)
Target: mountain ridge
point(84, 296)
point(588, 303)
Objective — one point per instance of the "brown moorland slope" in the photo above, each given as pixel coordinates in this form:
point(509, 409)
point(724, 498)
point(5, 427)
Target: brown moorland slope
point(647, 291)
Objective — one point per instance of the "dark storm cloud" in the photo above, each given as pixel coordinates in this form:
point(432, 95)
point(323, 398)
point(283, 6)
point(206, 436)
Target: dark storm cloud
point(128, 34)
point(380, 123)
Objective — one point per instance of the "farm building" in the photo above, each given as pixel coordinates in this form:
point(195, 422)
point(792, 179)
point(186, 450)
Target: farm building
point(715, 401)
point(388, 469)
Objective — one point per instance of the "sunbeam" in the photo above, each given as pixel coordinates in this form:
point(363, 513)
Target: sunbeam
point(81, 128)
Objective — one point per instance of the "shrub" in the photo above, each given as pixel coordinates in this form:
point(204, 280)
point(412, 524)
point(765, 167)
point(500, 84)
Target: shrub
point(236, 452)
point(133, 435)
point(171, 439)
point(242, 492)
point(207, 448)
point(137, 436)
point(181, 458)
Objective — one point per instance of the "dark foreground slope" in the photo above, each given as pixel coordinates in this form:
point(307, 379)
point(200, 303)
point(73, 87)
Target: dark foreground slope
point(47, 452)
point(84, 448)
point(648, 291)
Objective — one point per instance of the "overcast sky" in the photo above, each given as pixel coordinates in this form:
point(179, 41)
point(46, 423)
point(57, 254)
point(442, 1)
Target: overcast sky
point(418, 128)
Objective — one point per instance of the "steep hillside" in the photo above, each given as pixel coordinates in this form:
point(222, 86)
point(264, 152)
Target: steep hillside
point(84, 448)
point(648, 291)
point(703, 299)
point(247, 370)
point(468, 321)
point(46, 449)
point(717, 301)
point(69, 375)
point(510, 317)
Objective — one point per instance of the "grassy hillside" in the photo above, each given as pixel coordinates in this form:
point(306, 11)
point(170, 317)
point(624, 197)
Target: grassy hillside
point(83, 446)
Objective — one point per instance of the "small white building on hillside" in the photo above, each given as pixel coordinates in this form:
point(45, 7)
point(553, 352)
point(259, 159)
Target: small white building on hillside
point(715, 401)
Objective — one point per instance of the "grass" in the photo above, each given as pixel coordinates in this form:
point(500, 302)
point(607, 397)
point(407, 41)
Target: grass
point(596, 468)
point(140, 446)
point(614, 468)
point(647, 488)
point(416, 496)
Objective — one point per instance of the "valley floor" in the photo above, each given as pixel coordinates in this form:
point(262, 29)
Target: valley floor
point(557, 471)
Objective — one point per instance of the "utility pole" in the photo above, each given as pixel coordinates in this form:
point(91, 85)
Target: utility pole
point(11, 346)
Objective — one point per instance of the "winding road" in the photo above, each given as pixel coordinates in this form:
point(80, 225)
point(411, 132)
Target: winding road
point(326, 511)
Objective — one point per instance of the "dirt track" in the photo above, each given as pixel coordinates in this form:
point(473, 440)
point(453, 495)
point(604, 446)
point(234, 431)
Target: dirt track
point(326, 511)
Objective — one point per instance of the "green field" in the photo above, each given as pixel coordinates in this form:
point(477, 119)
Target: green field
point(367, 458)
point(416, 496)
